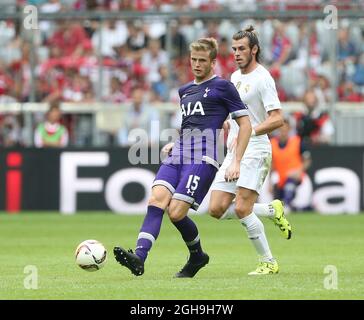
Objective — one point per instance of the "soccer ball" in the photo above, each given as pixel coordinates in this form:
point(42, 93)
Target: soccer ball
point(90, 255)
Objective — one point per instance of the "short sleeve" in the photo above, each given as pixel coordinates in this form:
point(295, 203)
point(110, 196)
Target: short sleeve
point(232, 101)
point(269, 94)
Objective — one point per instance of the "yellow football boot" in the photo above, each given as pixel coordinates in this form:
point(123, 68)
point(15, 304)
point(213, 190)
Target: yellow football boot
point(280, 219)
point(265, 268)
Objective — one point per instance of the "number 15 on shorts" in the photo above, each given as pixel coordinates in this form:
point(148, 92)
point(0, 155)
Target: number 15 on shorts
point(192, 184)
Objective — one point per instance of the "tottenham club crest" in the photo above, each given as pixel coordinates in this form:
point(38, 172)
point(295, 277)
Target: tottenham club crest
point(207, 90)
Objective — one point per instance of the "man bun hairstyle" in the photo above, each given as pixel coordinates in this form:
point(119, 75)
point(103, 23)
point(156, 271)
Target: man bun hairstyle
point(206, 44)
point(250, 33)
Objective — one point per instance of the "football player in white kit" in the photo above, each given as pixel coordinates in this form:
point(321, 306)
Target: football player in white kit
point(257, 90)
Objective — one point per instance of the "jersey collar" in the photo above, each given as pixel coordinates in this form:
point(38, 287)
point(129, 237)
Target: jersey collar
point(194, 81)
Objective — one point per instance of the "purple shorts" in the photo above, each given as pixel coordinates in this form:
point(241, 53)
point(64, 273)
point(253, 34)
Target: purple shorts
point(187, 182)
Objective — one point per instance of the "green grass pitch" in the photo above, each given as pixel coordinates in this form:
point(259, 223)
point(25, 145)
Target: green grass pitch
point(48, 241)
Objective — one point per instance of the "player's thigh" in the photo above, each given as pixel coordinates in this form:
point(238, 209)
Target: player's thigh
point(178, 209)
point(160, 197)
point(222, 192)
point(164, 184)
point(220, 202)
point(254, 168)
point(195, 182)
point(244, 202)
point(219, 181)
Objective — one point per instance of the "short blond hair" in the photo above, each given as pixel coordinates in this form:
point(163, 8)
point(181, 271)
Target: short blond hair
point(206, 44)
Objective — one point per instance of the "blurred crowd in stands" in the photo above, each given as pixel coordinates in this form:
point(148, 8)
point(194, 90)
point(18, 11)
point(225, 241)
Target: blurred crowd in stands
point(112, 61)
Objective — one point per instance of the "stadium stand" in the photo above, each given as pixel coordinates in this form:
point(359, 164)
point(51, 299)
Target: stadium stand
point(86, 61)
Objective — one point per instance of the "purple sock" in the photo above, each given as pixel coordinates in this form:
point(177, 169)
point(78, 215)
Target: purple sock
point(189, 233)
point(149, 231)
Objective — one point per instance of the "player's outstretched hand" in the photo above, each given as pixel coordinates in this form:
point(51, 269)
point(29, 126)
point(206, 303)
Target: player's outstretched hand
point(168, 148)
point(232, 173)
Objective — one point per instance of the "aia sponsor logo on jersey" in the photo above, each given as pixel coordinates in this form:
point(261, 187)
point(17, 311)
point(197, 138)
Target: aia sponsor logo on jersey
point(190, 110)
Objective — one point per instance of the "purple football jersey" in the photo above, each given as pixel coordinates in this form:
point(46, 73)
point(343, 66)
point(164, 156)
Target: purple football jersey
point(205, 106)
point(191, 167)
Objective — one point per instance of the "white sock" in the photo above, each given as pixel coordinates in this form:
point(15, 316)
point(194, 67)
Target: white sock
point(260, 209)
point(256, 234)
point(229, 213)
point(263, 210)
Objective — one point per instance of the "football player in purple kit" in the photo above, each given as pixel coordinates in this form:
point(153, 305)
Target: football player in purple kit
point(185, 176)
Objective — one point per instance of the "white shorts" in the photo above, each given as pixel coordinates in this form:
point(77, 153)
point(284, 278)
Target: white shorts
point(254, 168)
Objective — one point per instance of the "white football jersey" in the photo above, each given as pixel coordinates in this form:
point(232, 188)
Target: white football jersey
point(258, 91)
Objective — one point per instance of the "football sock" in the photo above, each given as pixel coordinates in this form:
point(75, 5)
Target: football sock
point(260, 209)
point(149, 231)
point(189, 233)
point(264, 210)
point(229, 213)
point(256, 234)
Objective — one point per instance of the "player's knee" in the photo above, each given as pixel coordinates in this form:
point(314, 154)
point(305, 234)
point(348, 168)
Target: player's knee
point(243, 209)
point(216, 211)
point(157, 201)
point(174, 214)
point(153, 201)
point(160, 197)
